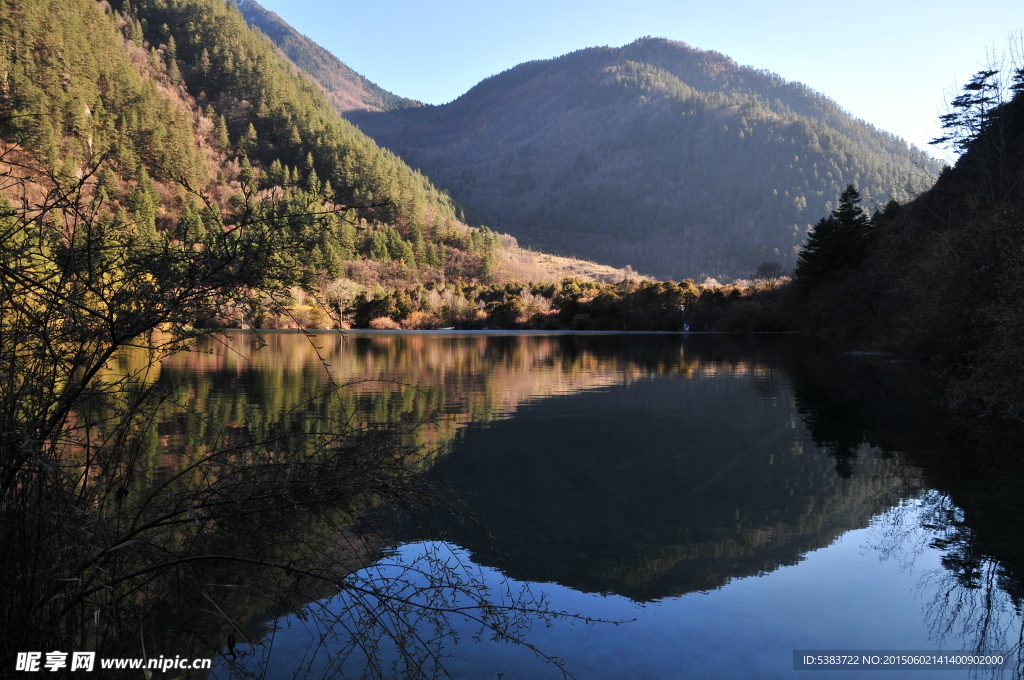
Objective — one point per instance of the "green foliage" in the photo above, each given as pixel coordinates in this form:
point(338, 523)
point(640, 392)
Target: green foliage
point(124, 241)
point(573, 304)
point(483, 241)
point(107, 527)
point(220, 134)
point(142, 202)
point(944, 273)
point(277, 114)
point(248, 143)
point(366, 309)
point(283, 123)
point(135, 81)
point(972, 112)
point(72, 90)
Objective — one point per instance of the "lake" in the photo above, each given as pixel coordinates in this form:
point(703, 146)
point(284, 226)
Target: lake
point(699, 506)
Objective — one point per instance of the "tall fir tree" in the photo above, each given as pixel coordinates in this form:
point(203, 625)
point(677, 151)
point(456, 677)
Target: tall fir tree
point(836, 243)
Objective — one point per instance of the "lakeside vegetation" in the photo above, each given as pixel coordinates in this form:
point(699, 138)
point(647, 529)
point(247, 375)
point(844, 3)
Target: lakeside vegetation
point(179, 122)
point(165, 171)
point(575, 304)
point(939, 276)
point(177, 115)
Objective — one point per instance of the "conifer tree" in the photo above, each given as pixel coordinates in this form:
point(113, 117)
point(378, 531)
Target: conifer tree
point(220, 135)
point(204, 64)
point(377, 247)
point(245, 172)
point(171, 52)
point(276, 174)
point(836, 243)
point(142, 201)
point(247, 145)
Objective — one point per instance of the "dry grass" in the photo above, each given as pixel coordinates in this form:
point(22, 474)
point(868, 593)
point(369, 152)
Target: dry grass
point(528, 265)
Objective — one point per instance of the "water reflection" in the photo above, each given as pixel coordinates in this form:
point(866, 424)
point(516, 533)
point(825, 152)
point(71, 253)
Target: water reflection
point(649, 467)
point(666, 486)
point(973, 466)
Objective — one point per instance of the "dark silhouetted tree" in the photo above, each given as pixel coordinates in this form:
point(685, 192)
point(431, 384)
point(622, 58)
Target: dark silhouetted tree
point(768, 274)
point(836, 243)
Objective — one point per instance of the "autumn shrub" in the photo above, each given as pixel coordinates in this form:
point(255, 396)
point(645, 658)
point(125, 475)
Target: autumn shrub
point(384, 323)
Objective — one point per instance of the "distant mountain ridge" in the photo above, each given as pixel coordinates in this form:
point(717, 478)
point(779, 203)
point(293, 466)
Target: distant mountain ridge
point(674, 160)
point(346, 89)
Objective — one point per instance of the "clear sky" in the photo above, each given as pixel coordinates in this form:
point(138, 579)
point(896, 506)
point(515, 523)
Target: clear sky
point(892, 63)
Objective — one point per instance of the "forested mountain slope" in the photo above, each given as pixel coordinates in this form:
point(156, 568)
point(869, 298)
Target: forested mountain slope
point(176, 121)
point(185, 90)
point(676, 161)
point(346, 89)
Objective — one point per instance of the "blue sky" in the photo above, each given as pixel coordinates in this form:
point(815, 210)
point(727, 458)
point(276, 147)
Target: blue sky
point(892, 63)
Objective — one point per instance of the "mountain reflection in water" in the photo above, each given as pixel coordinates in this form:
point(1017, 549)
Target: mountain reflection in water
point(669, 485)
point(649, 467)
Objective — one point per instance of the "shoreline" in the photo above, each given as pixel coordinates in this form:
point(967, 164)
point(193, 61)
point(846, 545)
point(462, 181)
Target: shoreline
point(495, 331)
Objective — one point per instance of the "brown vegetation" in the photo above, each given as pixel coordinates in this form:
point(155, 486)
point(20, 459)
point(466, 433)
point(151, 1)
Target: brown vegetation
point(577, 304)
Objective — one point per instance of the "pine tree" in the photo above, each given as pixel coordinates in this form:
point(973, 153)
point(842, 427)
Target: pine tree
point(204, 64)
point(247, 145)
point(836, 243)
point(220, 135)
point(312, 180)
point(245, 173)
point(171, 52)
point(377, 247)
point(489, 267)
point(143, 201)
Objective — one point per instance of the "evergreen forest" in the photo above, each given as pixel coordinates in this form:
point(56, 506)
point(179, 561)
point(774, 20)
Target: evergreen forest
point(938, 277)
point(678, 162)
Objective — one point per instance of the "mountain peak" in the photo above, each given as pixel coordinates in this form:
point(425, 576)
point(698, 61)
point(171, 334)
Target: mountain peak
point(347, 90)
point(675, 160)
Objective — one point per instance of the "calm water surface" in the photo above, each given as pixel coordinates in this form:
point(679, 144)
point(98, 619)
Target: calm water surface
point(726, 500)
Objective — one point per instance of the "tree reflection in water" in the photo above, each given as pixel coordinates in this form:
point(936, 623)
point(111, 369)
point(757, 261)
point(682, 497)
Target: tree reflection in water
point(631, 465)
point(972, 511)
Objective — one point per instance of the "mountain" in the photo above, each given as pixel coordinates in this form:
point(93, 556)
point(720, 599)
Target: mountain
point(185, 92)
point(676, 161)
point(658, 518)
point(346, 89)
point(174, 121)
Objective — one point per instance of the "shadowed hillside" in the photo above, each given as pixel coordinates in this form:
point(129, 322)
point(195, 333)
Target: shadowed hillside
point(673, 160)
point(943, 275)
point(346, 89)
